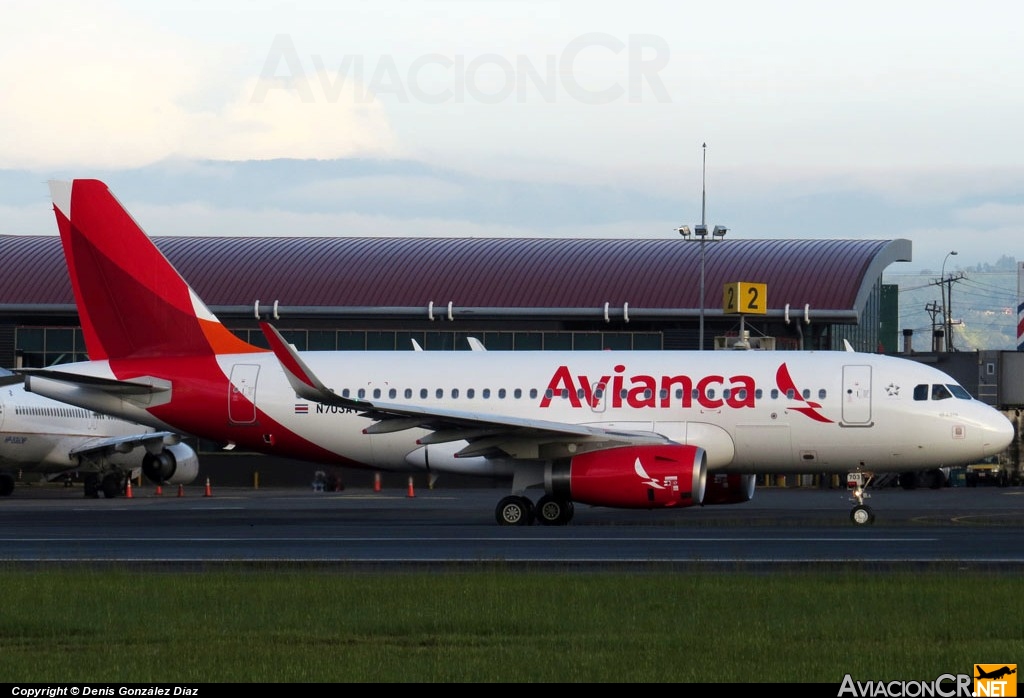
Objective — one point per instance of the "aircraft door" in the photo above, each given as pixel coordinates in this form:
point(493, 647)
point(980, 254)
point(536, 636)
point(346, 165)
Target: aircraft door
point(600, 398)
point(242, 394)
point(857, 395)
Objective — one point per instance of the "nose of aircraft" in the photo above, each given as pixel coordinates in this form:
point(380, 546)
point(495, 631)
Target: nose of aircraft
point(999, 434)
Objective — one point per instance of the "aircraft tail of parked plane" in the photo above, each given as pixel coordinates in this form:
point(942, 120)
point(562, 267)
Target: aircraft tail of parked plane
point(636, 429)
point(48, 439)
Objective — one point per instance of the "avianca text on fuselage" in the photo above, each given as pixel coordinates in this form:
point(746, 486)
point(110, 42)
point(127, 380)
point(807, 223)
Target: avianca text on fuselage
point(643, 390)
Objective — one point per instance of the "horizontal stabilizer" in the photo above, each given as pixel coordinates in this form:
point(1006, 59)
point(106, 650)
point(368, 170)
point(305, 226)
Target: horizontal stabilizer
point(111, 386)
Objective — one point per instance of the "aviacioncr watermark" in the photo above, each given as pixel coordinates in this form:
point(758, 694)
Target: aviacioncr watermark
point(629, 71)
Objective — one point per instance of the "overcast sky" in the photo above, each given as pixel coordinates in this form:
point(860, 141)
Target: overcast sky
point(470, 117)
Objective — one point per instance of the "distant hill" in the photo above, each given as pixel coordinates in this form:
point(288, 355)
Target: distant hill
point(983, 305)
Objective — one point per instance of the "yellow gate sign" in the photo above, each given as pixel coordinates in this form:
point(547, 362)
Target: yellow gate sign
point(745, 298)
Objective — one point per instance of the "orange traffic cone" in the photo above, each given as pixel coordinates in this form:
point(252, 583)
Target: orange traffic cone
point(181, 490)
point(159, 489)
point(412, 493)
point(376, 482)
point(128, 489)
point(207, 493)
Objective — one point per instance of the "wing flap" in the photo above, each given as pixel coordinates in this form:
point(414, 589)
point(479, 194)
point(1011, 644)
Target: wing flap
point(153, 442)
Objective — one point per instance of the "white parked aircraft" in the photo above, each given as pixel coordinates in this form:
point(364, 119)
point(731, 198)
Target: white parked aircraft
point(636, 429)
point(51, 440)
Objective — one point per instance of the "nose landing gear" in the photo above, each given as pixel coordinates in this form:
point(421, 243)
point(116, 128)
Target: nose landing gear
point(857, 483)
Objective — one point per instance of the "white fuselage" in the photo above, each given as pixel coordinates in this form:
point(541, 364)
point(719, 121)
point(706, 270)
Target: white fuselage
point(38, 434)
point(752, 411)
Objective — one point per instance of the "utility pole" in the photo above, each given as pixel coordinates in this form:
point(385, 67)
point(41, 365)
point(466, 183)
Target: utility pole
point(947, 301)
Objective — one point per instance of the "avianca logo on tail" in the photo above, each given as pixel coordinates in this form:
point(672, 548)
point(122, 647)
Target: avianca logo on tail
point(644, 390)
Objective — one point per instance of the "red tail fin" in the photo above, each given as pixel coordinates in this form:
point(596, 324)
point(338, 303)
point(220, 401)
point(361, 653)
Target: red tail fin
point(131, 301)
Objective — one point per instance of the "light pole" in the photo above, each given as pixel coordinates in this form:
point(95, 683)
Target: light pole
point(700, 233)
point(947, 316)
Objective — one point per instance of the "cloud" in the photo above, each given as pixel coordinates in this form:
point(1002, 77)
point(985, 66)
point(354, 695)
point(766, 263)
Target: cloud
point(381, 190)
point(105, 90)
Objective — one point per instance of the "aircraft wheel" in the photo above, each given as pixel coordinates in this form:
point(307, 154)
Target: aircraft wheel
point(514, 511)
point(111, 485)
point(6, 484)
point(552, 511)
point(861, 515)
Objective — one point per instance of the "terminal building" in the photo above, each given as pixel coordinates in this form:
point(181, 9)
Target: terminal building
point(512, 294)
point(522, 294)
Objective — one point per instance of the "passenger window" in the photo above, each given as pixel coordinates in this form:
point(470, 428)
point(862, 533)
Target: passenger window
point(822, 393)
point(486, 393)
point(501, 393)
point(408, 393)
point(518, 393)
point(439, 393)
point(470, 393)
point(455, 392)
point(423, 393)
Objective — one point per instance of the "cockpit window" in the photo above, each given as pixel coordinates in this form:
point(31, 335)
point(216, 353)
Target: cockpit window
point(960, 391)
point(938, 391)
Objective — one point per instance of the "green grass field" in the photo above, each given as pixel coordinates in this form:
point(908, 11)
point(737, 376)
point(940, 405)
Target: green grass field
point(254, 624)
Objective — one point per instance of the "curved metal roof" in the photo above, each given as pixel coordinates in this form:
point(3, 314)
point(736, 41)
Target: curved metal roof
point(519, 275)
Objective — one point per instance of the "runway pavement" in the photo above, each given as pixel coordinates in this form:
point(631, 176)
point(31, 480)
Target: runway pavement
point(780, 528)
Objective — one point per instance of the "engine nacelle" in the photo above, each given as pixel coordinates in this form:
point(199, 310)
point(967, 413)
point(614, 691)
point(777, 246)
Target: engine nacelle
point(632, 477)
point(177, 464)
point(725, 488)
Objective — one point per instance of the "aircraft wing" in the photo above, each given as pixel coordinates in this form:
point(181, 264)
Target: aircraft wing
point(485, 431)
point(153, 442)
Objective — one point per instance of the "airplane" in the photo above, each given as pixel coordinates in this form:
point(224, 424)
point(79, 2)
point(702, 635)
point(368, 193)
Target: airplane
point(634, 429)
point(52, 440)
point(996, 673)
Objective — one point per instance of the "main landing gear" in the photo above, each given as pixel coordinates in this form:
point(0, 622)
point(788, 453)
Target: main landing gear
point(518, 510)
point(861, 514)
point(111, 484)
